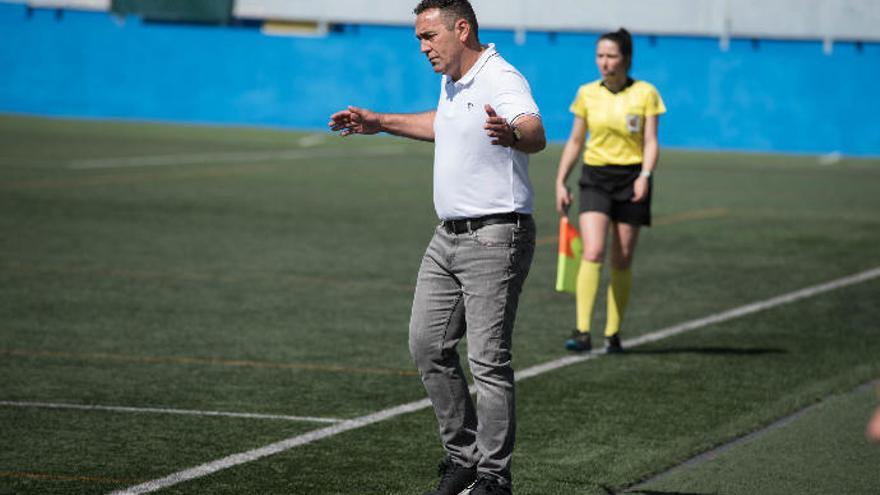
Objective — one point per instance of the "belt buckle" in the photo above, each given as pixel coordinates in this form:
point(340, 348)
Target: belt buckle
point(459, 226)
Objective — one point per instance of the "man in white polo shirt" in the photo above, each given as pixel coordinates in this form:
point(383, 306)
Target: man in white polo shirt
point(485, 125)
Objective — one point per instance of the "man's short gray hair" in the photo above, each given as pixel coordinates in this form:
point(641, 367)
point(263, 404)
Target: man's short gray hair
point(453, 10)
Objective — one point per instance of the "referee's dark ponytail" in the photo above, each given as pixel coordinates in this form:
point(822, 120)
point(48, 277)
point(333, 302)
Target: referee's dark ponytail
point(624, 42)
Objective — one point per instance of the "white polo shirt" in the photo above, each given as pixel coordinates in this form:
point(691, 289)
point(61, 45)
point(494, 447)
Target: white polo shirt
point(473, 177)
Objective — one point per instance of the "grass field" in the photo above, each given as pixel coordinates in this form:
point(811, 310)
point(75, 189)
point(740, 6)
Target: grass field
point(170, 270)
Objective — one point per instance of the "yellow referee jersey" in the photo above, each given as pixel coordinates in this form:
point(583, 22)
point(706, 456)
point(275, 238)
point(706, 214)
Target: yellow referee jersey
point(616, 121)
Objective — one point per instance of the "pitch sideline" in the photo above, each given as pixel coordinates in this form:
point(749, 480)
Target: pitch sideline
point(714, 452)
point(157, 410)
point(360, 422)
point(229, 157)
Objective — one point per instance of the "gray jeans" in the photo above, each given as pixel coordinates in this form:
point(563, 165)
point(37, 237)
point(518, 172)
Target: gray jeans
point(469, 284)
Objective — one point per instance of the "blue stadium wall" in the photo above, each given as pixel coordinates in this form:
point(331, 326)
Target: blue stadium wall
point(760, 95)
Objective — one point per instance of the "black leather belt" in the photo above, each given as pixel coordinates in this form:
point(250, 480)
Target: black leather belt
point(462, 225)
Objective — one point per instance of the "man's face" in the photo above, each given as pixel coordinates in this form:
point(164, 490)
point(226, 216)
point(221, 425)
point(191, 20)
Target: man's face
point(442, 46)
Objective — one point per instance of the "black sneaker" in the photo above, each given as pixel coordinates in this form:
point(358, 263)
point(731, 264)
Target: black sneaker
point(487, 485)
point(612, 345)
point(453, 478)
point(579, 342)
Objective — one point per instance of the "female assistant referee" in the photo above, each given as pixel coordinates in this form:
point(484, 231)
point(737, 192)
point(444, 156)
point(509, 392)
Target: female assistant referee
point(621, 116)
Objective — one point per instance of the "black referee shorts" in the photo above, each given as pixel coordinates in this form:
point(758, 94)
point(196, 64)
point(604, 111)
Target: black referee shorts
point(608, 189)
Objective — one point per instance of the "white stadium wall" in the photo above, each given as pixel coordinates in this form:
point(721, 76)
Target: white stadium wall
point(792, 19)
point(69, 4)
point(827, 20)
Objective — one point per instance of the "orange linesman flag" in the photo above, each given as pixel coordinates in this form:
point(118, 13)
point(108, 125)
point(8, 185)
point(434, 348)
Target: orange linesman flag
point(570, 250)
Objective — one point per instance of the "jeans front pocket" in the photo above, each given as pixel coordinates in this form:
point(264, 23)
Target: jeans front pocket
point(497, 235)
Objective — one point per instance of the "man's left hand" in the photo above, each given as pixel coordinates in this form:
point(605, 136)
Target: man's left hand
point(498, 129)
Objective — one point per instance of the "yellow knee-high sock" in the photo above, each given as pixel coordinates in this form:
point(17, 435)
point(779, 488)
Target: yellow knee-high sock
point(587, 287)
point(618, 297)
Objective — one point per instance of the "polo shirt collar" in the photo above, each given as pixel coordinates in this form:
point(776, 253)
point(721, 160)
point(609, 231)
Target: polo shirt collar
point(488, 53)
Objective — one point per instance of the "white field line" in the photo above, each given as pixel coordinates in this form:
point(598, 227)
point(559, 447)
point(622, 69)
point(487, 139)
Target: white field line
point(151, 410)
point(709, 320)
point(713, 453)
point(289, 443)
point(230, 157)
point(271, 449)
point(312, 140)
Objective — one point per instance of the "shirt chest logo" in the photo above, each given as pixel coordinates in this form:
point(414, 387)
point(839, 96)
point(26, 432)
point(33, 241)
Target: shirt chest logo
point(634, 123)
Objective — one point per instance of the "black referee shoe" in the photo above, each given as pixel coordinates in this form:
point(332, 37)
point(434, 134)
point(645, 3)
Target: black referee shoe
point(612, 345)
point(579, 342)
point(453, 478)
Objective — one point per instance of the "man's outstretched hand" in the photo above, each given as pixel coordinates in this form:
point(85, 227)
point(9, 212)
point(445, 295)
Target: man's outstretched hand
point(355, 120)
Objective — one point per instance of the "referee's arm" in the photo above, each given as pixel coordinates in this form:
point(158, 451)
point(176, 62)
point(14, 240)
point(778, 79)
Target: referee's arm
point(651, 147)
point(650, 154)
point(570, 154)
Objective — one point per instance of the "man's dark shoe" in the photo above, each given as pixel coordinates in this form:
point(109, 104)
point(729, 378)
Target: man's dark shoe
point(579, 342)
point(453, 478)
point(487, 485)
point(612, 345)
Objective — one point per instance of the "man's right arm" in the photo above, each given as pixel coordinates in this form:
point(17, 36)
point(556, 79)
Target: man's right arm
point(356, 120)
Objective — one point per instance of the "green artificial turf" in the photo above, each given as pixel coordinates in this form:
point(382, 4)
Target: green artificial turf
point(263, 271)
point(823, 451)
point(66, 451)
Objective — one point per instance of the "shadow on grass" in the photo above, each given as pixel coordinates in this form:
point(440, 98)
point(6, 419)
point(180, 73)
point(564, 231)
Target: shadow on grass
point(609, 491)
point(719, 351)
point(652, 492)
